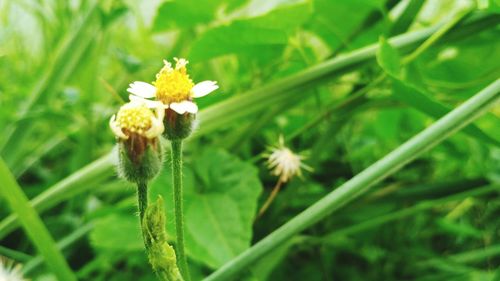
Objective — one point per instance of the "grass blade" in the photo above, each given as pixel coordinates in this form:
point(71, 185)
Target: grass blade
point(33, 224)
point(70, 53)
point(362, 182)
point(84, 179)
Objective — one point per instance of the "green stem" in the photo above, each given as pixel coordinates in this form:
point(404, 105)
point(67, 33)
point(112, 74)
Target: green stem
point(33, 224)
point(142, 202)
point(420, 207)
point(362, 182)
point(270, 199)
point(142, 199)
point(178, 209)
point(437, 35)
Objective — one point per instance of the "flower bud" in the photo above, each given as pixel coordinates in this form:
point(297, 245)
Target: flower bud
point(178, 126)
point(142, 164)
point(137, 129)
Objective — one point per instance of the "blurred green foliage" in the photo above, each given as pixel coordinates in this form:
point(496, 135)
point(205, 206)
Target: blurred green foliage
point(64, 70)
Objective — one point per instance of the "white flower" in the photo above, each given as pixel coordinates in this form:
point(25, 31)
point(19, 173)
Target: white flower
point(135, 117)
point(284, 163)
point(9, 271)
point(172, 89)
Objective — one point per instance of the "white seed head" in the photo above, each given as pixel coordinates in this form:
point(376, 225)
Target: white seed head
point(10, 271)
point(284, 163)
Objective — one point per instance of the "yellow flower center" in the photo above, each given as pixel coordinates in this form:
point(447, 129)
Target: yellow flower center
point(173, 85)
point(135, 119)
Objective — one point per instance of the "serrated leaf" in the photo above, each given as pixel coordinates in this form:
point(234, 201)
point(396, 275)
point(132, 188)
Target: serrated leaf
point(221, 195)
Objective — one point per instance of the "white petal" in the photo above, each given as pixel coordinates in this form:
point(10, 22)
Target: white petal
point(160, 112)
point(148, 103)
point(117, 130)
point(190, 106)
point(156, 129)
point(184, 106)
point(142, 89)
point(204, 88)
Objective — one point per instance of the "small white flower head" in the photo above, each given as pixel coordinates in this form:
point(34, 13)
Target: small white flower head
point(172, 89)
point(284, 163)
point(10, 271)
point(136, 118)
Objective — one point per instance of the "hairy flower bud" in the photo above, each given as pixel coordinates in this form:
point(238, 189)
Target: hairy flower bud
point(178, 126)
point(137, 129)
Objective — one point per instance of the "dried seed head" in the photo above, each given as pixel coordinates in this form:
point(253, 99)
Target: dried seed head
point(284, 163)
point(9, 271)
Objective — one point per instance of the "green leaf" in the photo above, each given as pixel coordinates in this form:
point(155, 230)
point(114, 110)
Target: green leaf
point(335, 22)
point(283, 17)
point(184, 14)
point(117, 232)
point(221, 195)
point(235, 38)
point(388, 58)
point(252, 35)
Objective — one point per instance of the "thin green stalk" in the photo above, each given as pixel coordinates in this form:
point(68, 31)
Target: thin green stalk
point(178, 206)
point(64, 243)
point(83, 179)
point(336, 105)
point(420, 207)
point(466, 257)
point(142, 199)
point(142, 203)
point(438, 34)
point(362, 182)
point(270, 199)
point(14, 255)
point(33, 224)
point(68, 55)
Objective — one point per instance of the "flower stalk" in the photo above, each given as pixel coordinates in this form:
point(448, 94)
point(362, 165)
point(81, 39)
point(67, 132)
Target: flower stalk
point(270, 199)
point(178, 206)
point(142, 198)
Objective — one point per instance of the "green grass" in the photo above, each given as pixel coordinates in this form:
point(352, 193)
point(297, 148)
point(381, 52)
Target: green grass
point(363, 89)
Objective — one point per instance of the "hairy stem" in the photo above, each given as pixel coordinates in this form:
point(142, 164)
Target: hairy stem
point(178, 211)
point(142, 199)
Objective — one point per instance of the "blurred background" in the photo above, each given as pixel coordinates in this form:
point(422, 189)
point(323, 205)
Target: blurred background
point(64, 70)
